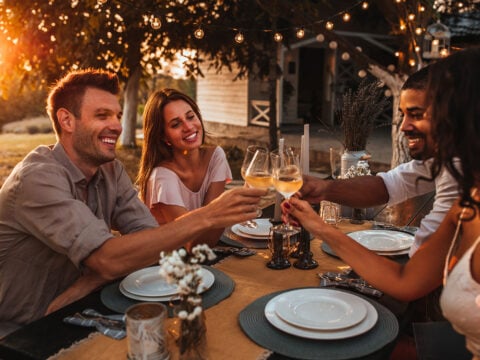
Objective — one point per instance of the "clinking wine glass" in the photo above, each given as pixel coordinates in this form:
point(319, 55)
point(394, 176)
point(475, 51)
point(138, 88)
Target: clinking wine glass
point(286, 176)
point(258, 172)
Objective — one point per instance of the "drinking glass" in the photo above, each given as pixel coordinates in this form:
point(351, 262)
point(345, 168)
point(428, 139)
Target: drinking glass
point(335, 162)
point(286, 175)
point(329, 212)
point(258, 172)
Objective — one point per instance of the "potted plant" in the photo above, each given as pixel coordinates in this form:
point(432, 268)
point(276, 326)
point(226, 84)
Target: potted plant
point(358, 111)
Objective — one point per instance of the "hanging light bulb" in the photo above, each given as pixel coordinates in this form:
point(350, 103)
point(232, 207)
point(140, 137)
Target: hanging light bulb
point(155, 23)
point(412, 62)
point(346, 17)
point(345, 56)
point(199, 33)
point(320, 38)
point(101, 2)
point(362, 73)
point(365, 5)
point(300, 33)
point(278, 37)
point(418, 31)
point(239, 38)
point(329, 25)
point(411, 17)
point(333, 45)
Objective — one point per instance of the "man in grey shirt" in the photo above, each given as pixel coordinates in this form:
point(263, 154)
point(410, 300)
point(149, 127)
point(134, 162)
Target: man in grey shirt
point(60, 203)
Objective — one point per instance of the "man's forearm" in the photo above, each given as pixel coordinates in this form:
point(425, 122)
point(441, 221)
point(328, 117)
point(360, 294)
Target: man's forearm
point(360, 191)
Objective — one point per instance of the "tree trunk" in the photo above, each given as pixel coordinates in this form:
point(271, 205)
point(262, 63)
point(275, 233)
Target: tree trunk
point(129, 119)
point(394, 82)
point(272, 81)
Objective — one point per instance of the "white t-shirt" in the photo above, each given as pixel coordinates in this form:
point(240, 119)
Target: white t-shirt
point(401, 183)
point(164, 185)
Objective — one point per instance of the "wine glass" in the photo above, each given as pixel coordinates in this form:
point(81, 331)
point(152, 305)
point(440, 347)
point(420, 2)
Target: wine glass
point(258, 172)
point(286, 176)
point(247, 159)
point(335, 162)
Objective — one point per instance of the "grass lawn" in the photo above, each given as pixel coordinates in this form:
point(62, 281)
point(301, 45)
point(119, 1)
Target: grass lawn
point(13, 148)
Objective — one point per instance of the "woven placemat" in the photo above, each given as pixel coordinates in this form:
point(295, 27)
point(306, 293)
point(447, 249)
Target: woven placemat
point(222, 288)
point(254, 323)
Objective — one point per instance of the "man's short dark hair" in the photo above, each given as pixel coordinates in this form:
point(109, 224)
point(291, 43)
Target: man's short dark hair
point(418, 80)
point(68, 92)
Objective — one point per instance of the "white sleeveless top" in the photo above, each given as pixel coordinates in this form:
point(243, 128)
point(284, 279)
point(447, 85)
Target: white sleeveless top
point(460, 300)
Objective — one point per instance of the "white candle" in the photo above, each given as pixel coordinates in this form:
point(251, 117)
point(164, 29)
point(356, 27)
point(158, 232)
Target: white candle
point(306, 149)
point(277, 214)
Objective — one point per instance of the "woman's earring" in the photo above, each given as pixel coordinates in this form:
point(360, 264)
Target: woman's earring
point(167, 143)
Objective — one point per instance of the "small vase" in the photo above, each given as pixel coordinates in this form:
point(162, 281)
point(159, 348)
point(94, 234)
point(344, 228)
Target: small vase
point(351, 158)
point(358, 216)
point(192, 340)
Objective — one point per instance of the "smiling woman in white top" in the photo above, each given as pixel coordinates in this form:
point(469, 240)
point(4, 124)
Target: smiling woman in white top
point(178, 173)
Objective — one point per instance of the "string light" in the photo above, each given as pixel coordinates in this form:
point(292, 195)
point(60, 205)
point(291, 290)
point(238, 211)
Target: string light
point(101, 2)
point(277, 37)
point(345, 56)
point(329, 25)
point(300, 33)
point(239, 38)
point(346, 17)
point(411, 17)
point(418, 31)
point(320, 38)
point(333, 45)
point(412, 62)
point(199, 33)
point(362, 73)
point(155, 23)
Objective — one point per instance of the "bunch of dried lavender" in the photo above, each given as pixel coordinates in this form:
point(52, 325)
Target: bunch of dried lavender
point(358, 111)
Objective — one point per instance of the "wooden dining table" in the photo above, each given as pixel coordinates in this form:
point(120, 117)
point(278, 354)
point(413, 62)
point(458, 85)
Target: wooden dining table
point(50, 338)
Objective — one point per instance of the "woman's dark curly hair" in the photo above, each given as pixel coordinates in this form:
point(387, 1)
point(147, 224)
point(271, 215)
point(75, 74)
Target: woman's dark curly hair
point(454, 92)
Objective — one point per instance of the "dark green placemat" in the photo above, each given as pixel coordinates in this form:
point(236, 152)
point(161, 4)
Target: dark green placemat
point(401, 259)
point(256, 326)
point(222, 287)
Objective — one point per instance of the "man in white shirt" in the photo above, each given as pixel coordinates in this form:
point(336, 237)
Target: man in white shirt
point(407, 180)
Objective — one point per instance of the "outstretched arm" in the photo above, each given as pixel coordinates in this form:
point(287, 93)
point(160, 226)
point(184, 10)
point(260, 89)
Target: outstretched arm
point(420, 275)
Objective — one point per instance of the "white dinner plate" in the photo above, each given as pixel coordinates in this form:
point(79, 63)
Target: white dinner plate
point(148, 282)
point(362, 327)
point(383, 240)
point(261, 232)
point(147, 298)
point(320, 309)
point(237, 231)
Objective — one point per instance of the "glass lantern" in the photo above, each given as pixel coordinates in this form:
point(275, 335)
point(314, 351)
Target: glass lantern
point(436, 42)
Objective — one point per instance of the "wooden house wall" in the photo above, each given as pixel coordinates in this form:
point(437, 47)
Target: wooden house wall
point(221, 99)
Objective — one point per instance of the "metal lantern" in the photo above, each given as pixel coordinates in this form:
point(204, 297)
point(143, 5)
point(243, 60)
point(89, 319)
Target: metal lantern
point(436, 42)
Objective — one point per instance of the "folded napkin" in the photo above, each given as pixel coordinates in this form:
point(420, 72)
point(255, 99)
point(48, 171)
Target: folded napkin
point(348, 280)
point(110, 325)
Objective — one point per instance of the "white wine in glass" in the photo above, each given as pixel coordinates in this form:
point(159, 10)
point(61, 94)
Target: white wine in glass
point(247, 159)
point(286, 172)
point(286, 177)
point(258, 173)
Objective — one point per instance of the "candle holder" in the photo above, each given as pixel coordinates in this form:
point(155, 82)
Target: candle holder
point(279, 246)
point(305, 256)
